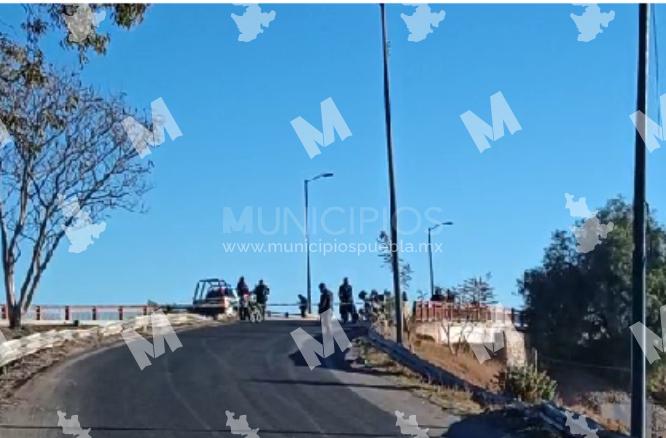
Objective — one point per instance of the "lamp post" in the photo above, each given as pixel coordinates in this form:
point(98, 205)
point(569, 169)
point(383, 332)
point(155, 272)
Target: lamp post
point(307, 234)
point(432, 279)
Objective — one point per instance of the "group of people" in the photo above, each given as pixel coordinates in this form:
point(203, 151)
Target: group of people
point(379, 305)
point(246, 298)
point(345, 295)
point(440, 295)
point(347, 307)
point(374, 303)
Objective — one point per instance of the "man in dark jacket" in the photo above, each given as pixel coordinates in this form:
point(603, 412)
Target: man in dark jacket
point(325, 299)
point(241, 287)
point(345, 291)
point(302, 304)
point(242, 290)
point(346, 300)
point(261, 291)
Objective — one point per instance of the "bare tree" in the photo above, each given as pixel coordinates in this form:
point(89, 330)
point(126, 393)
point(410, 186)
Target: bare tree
point(68, 144)
point(477, 291)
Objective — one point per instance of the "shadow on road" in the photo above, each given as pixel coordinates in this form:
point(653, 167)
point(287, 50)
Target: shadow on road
point(498, 424)
point(336, 361)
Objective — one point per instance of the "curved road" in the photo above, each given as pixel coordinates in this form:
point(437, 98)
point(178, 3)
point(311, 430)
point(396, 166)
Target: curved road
point(252, 370)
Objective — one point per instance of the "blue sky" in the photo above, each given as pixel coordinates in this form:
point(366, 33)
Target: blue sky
point(234, 102)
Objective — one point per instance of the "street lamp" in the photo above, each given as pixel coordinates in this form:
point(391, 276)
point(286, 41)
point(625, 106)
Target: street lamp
point(432, 280)
point(307, 234)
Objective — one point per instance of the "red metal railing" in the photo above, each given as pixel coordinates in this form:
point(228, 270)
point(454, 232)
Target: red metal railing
point(426, 311)
point(100, 312)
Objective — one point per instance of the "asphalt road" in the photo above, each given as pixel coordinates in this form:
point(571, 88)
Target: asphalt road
point(248, 369)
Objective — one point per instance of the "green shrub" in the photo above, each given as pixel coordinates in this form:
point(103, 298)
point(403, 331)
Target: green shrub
point(656, 382)
point(528, 384)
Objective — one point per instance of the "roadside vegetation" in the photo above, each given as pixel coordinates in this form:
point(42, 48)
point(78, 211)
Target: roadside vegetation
point(474, 415)
point(578, 310)
point(526, 383)
point(579, 304)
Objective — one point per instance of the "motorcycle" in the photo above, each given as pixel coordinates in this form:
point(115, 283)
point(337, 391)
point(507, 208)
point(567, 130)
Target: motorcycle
point(256, 310)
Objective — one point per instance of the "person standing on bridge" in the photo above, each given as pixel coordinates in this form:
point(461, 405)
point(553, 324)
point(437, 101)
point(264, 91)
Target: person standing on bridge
point(261, 291)
point(302, 304)
point(346, 300)
point(243, 299)
point(325, 299)
point(241, 287)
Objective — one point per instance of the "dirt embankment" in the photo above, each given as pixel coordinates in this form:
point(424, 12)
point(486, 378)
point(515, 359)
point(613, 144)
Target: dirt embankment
point(462, 364)
point(473, 416)
point(579, 390)
point(16, 374)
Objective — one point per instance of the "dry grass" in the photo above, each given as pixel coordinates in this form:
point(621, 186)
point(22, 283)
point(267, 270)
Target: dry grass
point(463, 364)
point(513, 422)
point(16, 374)
point(27, 330)
point(457, 401)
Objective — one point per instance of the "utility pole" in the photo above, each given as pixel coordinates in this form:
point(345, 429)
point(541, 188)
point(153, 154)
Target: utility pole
point(307, 235)
point(395, 265)
point(432, 275)
point(638, 366)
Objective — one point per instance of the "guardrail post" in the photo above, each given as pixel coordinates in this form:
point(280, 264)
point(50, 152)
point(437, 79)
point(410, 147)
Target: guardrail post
point(120, 313)
point(38, 313)
point(94, 313)
point(67, 313)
